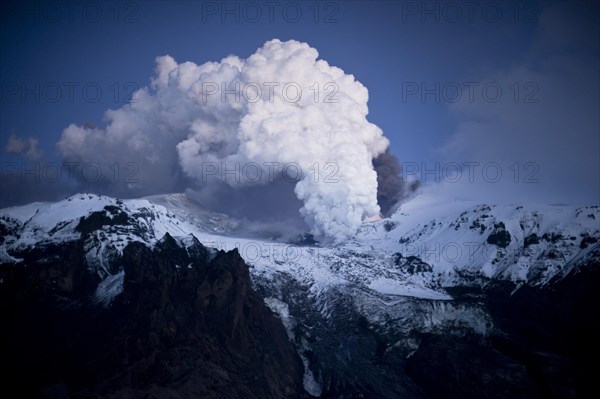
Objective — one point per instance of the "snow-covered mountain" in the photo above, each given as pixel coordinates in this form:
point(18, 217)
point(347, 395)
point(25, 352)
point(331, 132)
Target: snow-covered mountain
point(419, 251)
point(398, 279)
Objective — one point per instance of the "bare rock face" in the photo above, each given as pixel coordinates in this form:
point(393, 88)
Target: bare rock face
point(186, 323)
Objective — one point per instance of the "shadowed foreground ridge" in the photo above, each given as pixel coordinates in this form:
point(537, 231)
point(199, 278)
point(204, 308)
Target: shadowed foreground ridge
point(187, 324)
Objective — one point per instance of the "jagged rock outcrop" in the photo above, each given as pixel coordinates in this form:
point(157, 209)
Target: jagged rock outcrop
point(182, 322)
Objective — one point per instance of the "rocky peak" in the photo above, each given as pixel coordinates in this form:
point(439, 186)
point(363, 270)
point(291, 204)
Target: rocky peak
point(186, 323)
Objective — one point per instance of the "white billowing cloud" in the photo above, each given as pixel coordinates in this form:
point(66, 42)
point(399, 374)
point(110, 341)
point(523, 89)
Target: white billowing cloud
point(289, 113)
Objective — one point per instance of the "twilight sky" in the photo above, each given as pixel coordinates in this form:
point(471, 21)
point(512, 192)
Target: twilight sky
point(493, 101)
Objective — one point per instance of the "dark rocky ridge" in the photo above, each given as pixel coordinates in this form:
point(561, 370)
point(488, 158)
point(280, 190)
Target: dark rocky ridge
point(186, 325)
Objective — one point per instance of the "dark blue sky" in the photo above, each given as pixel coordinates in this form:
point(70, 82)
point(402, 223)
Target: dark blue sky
point(543, 56)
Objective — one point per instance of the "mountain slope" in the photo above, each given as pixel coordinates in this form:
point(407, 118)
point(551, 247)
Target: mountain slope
point(435, 275)
point(198, 330)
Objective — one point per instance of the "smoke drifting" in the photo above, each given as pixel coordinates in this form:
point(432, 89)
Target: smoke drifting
point(26, 148)
point(280, 114)
point(390, 186)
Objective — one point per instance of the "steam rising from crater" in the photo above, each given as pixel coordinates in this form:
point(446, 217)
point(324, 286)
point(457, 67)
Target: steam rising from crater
point(278, 112)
